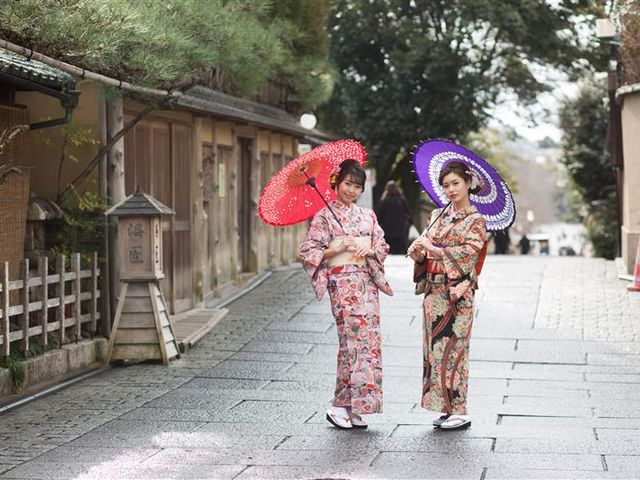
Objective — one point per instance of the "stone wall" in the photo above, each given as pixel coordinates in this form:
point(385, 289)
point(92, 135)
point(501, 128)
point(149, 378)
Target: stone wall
point(53, 366)
point(631, 186)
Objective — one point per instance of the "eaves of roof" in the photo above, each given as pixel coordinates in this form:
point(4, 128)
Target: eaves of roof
point(139, 203)
point(628, 89)
point(234, 108)
point(54, 81)
point(34, 72)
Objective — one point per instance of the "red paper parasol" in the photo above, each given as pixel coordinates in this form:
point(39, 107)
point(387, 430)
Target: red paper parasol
point(302, 188)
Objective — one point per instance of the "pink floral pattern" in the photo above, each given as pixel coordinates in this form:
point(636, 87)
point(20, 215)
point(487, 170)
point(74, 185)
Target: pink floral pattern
point(353, 291)
point(448, 310)
point(354, 304)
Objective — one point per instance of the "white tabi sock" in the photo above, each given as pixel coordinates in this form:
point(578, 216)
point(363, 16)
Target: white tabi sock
point(340, 411)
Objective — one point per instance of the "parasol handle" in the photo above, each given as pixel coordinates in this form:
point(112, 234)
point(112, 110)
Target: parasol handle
point(432, 223)
point(311, 181)
point(435, 220)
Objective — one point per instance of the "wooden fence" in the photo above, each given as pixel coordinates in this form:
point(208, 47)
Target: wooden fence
point(53, 302)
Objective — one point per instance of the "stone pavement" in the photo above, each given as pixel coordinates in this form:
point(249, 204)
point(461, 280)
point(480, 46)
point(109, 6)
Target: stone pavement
point(554, 392)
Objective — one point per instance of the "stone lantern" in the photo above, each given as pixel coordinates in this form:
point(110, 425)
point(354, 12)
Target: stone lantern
point(141, 327)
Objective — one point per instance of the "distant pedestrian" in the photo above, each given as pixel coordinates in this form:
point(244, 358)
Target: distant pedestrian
point(524, 244)
point(502, 242)
point(448, 260)
point(394, 216)
point(544, 247)
point(347, 260)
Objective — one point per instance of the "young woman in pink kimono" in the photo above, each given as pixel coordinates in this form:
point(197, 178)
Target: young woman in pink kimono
point(347, 260)
point(447, 260)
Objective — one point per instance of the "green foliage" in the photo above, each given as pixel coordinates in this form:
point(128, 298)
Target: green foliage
point(306, 68)
point(602, 226)
point(630, 49)
point(82, 228)
point(433, 69)
point(176, 43)
point(83, 225)
point(72, 138)
point(584, 123)
point(14, 362)
point(17, 371)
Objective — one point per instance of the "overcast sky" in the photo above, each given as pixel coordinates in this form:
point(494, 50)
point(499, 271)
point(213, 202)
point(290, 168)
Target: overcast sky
point(540, 120)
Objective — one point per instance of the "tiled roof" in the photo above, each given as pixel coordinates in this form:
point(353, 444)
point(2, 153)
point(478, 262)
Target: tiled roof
point(31, 70)
point(218, 103)
point(139, 203)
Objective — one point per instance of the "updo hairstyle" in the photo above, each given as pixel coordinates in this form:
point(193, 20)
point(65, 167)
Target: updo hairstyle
point(464, 171)
point(348, 168)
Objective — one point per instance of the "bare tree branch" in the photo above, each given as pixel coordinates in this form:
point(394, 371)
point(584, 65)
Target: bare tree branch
point(95, 161)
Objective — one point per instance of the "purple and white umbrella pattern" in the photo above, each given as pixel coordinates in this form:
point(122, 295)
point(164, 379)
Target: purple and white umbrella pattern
point(494, 201)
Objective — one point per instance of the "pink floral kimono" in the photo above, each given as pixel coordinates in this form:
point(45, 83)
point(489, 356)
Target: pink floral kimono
point(353, 291)
point(448, 308)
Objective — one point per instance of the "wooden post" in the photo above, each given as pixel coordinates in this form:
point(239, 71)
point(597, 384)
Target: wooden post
point(24, 264)
point(77, 291)
point(116, 188)
point(6, 345)
point(115, 123)
point(199, 224)
point(108, 228)
point(255, 227)
point(44, 295)
point(156, 316)
point(270, 232)
point(60, 314)
point(93, 326)
point(293, 252)
point(214, 220)
point(233, 204)
point(172, 221)
point(116, 319)
point(283, 232)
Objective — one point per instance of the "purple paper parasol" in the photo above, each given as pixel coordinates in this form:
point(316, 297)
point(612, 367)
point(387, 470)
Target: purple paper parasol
point(494, 201)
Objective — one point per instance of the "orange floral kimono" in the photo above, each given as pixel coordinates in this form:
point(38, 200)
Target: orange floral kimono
point(353, 291)
point(448, 307)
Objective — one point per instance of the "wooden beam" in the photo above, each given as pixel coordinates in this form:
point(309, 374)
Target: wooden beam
point(115, 123)
point(214, 221)
point(77, 290)
point(172, 221)
point(233, 206)
point(199, 223)
point(116, 321)
point(24, 269)
point(60, 313)
point(6, 303)
point(44, 295)
point(93, 326)
point(156, 316)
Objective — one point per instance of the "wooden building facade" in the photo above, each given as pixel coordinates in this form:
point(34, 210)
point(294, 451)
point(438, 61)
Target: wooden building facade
point(210, 170)
point(207, 156)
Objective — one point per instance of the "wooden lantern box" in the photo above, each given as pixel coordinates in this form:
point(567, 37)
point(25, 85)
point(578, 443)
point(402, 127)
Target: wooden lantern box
point(141, 327)
point(140, 247)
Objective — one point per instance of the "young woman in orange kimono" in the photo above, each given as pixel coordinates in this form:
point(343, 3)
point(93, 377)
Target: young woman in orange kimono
point(346, 259)
point(446, 260)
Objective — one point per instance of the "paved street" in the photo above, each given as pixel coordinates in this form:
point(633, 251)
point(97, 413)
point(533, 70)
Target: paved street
point(554, 391)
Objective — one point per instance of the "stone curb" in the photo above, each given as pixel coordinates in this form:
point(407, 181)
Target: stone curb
point(55, 365)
